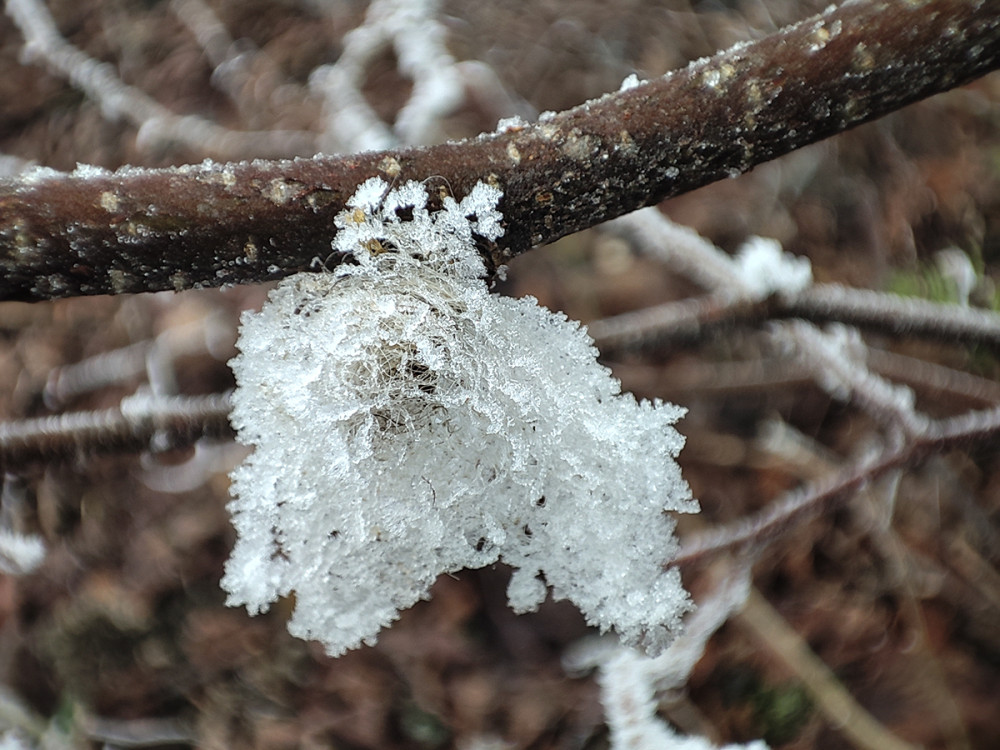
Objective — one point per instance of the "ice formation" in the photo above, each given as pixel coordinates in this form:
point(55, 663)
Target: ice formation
point(765, 269)
point(20, 553)
point(631, 682)
point(407, 423)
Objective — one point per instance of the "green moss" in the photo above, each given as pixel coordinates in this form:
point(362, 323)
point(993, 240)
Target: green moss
point(927, 282)
point(422, 727)
point(781, 712)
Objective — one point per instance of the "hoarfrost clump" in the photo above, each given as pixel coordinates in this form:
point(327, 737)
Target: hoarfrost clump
point(407, 423)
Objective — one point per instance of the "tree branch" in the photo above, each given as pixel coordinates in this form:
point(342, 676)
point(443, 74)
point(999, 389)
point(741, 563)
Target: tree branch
point(753, 534)
point(684, 321)
point(137, 230)
point(140, 423)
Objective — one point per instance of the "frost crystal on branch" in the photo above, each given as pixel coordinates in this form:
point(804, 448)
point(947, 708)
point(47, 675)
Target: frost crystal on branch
point(406, 423)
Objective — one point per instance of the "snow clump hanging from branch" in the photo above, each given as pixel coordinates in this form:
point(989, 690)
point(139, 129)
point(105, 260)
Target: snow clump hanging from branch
point(408, 423)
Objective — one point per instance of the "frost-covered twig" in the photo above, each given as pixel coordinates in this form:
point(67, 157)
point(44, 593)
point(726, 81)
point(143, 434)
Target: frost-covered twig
point(630, 680)
point(212, 36)
point(239, 68)
point(117, 100)
point(673, 323)
point(879, 311)
point(922, 375)
point(411, 29)
point(682, 249)
point(753, 534)
point(129, 733)
point(144, 230)
point(659, 325)
point(153, 356)
point(837, 360)
point(140, 423)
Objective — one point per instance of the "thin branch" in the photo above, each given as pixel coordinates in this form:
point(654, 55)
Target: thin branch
point(156, 123)
point(933, 378)
point(894, 314)
point(630, 680)
point(134, 732)
point(673, 323)
point(205, 335)
point(411, 28)
point(139, 424)
point(210, 225)
point(678, 322)
point(682, 249)
point(774, 634)
point(836, 358)
point(247, 75)
point(751, 535)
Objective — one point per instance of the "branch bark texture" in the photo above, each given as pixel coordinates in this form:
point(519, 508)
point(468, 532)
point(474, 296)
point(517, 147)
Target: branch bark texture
point(136, 230)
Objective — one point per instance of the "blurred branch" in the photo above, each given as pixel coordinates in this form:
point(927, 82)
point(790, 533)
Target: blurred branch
point(930, 377)
point(143, 230)
point(688, 320)
point(753, 534)
point(673, 323)
point(118, 100)
point(837, 358)
point(140, 423)
point(134, 732)
point(411, 29)
point(770, 630)
point(894, 314)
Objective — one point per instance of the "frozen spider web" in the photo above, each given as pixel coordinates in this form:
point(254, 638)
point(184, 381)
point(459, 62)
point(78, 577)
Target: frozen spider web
point(407, 423)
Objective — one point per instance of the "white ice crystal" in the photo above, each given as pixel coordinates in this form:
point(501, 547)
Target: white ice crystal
point(764, 268)
point(631, 81)
point(20, 553)
point(407, 423)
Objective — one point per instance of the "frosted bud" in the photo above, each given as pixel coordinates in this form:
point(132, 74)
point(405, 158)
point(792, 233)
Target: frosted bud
point(20, 553)
point(765, 269)
point(406, 423)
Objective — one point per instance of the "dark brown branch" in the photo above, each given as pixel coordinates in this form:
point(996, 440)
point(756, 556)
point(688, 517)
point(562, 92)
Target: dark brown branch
point(144, 424)
point(145, 230)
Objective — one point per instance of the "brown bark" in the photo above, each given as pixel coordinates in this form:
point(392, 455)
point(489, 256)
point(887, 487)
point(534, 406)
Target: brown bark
point(208, 225)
